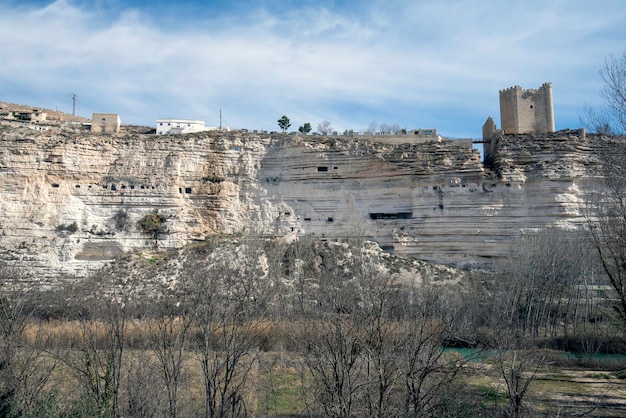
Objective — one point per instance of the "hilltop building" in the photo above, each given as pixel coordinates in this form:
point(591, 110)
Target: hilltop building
point(521, 112)
point(183, 126)
point(425, 134)
point(105, 122)
point(179, 126)
point(27, 116)
point(527, 111)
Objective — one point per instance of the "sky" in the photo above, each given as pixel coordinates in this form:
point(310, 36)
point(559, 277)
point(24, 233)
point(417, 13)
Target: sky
point(416, 63)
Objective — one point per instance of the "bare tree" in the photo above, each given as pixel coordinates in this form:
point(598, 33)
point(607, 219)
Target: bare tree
point(614, 90)
point(612, 117)
point(518, 368)
point(430, 319)
point(324, 128)
point(330, 337)
point(371, 338)
point(383, 338)
point(372, 127)
point(394, 128)
point(607, 218)
point(543, 281)
point(389, 129)
point(516, 359)
point(227, 300)
point(101, 309)
point(143, 391)
point(597, 120)
point(13, 322)
point(25, 367)
point(331, 349)
point(169, 326)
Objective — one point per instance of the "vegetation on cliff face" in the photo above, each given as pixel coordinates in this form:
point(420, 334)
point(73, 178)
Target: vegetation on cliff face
point(153, 224)
point(70, 228)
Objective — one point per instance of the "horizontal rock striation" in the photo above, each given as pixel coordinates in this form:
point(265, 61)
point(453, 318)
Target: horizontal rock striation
point(72, 201)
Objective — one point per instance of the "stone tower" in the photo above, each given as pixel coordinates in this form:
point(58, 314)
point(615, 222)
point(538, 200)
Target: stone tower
point(527, 111)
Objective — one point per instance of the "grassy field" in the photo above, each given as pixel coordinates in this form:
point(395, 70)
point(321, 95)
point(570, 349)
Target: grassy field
point(556, 390)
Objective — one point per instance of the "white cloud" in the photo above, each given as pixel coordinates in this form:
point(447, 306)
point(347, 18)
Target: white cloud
point(417, 61)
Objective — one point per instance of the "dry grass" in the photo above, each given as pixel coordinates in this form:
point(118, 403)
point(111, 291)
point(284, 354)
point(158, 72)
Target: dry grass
point(276, 386)
point(70, 333)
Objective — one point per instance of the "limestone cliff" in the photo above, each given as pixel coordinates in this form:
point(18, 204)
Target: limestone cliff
point(72, 200)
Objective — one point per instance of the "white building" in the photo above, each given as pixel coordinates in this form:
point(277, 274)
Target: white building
point(181, 126)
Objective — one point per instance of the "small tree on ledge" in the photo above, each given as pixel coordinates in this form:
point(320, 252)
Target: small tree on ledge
point(153, 224)
point(306, 128)
point(283, 123)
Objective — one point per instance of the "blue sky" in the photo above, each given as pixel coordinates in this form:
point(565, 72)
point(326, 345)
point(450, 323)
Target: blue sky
point(420, 64)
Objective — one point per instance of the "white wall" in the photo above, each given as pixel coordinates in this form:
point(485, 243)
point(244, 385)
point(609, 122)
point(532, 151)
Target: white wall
point(178, 126)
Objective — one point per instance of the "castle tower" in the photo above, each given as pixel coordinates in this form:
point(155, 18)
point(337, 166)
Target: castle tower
point(527, 111)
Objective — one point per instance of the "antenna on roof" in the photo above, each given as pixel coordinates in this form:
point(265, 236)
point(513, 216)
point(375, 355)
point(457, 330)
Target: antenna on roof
point(73, 103)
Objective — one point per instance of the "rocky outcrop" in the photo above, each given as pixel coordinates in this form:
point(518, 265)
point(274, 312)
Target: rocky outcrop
point(72, 201)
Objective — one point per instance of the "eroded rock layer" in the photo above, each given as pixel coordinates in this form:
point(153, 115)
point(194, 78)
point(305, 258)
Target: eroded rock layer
point(72, 201)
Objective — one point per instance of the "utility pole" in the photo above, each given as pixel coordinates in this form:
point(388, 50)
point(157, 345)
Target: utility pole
point(73, 103)
point(220, 119)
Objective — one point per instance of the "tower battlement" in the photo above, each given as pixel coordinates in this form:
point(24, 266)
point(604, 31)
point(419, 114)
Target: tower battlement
point(510, 89)
point(527, 110)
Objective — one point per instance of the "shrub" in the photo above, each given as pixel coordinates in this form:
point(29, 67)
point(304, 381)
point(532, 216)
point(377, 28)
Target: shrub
point(153, 224)
point(71, 228)
point(213, 179)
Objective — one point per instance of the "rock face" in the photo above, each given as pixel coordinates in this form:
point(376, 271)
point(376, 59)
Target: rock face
point(72, 201)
